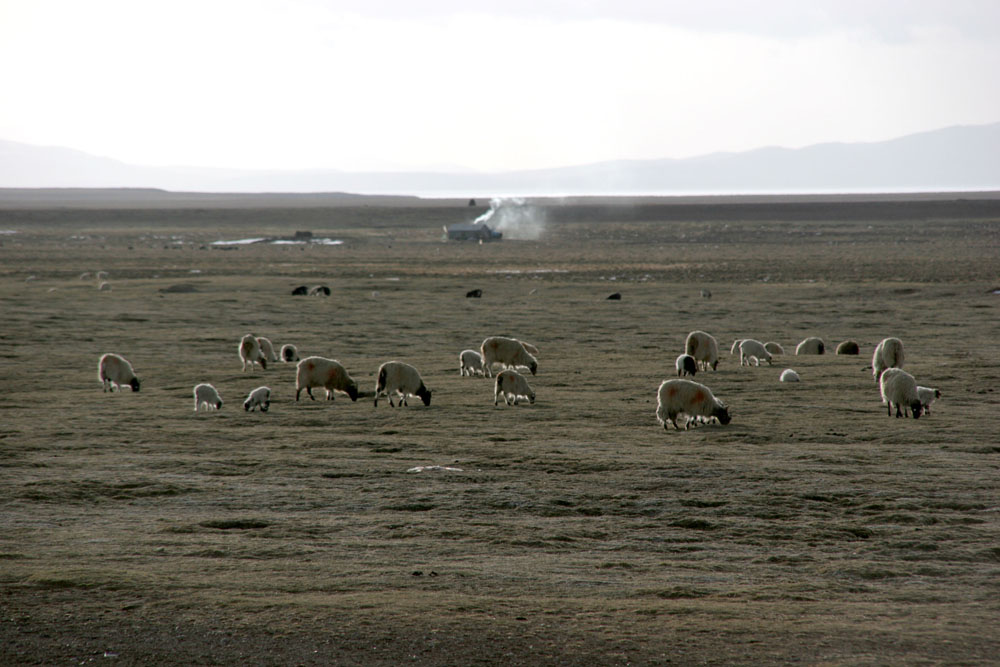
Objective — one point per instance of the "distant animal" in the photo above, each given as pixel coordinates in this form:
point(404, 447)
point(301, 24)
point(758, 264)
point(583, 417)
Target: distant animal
point(706, 294)
point(470, 363)
point(397, 377)
point(508, 352)
point(927, 395)
point(736, 345)
point(849, 347)
point(753, 349)
point(512, 386)
point(104, 286)
point(788, 375)
point(474, 294)
point(327, 373)
point(617, 296)
point(266, 348)
point(811, 345)
point(258, 398)
point(206, 395)
point(250, 352)
point(301, 290)
point(115, 371)
point(692, 400)
point(320, 290)
point(289, 353)
point(686, 365)
point(101, 275)
point(888, 354)
point(704, 348)
point(774, 348)
point(900, 388)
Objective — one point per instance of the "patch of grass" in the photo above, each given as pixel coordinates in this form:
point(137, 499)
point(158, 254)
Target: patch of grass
point(694, 524)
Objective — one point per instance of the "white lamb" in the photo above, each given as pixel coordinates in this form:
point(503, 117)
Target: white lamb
point(250, 352)
point(686, 365)
point(508, 352)
point(258, 398)
point(753, 349)
point(689, 398)
point(207, 395)
point(788, 375)
point(811, 345)
point(704, 348)
point(898, 387)
point(396, 377)
point(289, 353)
point(266, 348)
point(114, 371)
point(927, 396)
point(470, 363)
point(888, 354)
point(512, 386)
point(327, 373)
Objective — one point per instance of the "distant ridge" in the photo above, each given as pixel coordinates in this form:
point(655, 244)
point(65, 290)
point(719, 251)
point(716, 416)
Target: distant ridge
point(955, 158)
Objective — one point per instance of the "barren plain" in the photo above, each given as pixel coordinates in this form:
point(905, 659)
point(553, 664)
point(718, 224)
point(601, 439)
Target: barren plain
point(812, 529)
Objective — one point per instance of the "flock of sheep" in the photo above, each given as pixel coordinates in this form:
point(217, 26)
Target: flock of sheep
point(677, 397)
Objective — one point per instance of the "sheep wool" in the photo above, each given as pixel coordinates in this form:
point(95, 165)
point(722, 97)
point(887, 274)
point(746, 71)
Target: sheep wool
point(704, 348)
point(327, 373)
point(208, 396)
point(888, 354)
point(115, 371)
point(689, 398)
point(512, 386)
point(899, 388)
point(508, 352)
point(397, 377)
point(470, 363)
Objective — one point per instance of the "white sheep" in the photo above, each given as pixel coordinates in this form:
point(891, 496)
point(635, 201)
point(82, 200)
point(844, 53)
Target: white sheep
point(250, 352)
point(788, 375)
point(327, 373)
point(114, 370)
point(900, 388)
point(508, 352)
point(689, 398)
point(753, 349)
point(686, 365)
point(470, 363)
point(774, 348)
point(258, 398)
point(402, 379)
point(267, 348)
point(927, 396)
point(704, 348)
point(888, 354)
point(104, 286)
point(207, 395)
point(289, 353)
point(736, 345)
point(811, 345)
point(512, 386)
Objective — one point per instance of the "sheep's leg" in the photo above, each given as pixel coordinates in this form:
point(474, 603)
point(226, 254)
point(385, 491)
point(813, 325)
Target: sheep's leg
point(898, 411)
point(889, 408)
point(309, 391)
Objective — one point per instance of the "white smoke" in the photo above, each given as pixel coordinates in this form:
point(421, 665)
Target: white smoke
point(515, 217)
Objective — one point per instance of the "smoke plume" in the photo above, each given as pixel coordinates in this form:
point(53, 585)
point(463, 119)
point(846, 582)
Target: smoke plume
point(515, 217)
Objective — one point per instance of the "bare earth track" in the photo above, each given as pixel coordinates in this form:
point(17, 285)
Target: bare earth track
point(811, 529)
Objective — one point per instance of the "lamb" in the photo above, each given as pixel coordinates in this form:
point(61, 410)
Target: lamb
point(788, 375)
point(897, 386)
point(774, 348)
point(849, 347)
point(695, 401)
point(114, 370)
point(207, 395)
point(327, 373)
point(811, 345)
point(512, 386)
point(753, 349)
point(400, 378)
point(289, 353)
point(704, 348)
point(508, 352)
point(250, 352)
point(470, 363)
point(267, 349)
point(888, 354)
point(686, 365)
point(259, 397)
point(927, 396)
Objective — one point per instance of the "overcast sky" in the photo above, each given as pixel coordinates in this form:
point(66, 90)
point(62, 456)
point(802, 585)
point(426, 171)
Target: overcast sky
point(482, 85)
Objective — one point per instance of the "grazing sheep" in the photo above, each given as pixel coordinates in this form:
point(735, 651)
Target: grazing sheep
point(289, 353)
point(327, 373)
point(400, 378)
point(104, 286)
point(788, 375)
point(686, 365)
point(301, 290)
point(512, 386)
point(774, 348)
point(811, 345)
point(508, 352)
point(258, 398)
point(266, 348)
point(736, 345)
point(706, 294)
point(207, 395)
point(888, 354)
point(753, 349)
point(320, 290)
point(101, 275)
point(114, 370)
point(691, 399)
point(704, 348)
point(470, 363)
point(927, 396)
point(897, 386)
point(617, 296)
point(250, 352)
point(474, 294)
point(849, 347)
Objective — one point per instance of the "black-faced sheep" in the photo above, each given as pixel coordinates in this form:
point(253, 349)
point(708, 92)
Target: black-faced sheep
point(402, 379)
point(788, 375)
point(693, 400)
point(811, 345)
point(508, 352)
point(327, 373)
point(301, 290)
point(320, 290)
point(888, 354)
point(512, 386)
point(205, 394)
point(114, 371)
point(474, 294)
point(927, 396)
point(704, 348)
point(258, 398)
point(686, 365)
point(470, 363)
point(900, 388)
point(289, 353)
point(267, 348)
point(250, 352)
point(753, 349)
point(849, 347)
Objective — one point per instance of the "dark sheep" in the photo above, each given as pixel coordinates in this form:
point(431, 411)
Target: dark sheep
point(617, 296)
point(301, 290)
point(848, 347)
point(474, 294)
point(320, 289)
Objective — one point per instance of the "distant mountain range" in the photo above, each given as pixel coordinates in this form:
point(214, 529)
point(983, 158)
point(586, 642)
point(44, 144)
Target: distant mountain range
point(955, 158)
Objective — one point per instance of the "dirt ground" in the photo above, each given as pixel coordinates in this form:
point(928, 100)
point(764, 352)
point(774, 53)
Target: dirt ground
point(812, 529)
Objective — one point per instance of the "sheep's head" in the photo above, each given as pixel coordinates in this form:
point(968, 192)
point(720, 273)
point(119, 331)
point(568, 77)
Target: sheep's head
point(531, 398)
point(722, 414)
point(134, 384)
point(352, 390)
point(917, 408)
point(534, 367)
point(246, 405)
point(425, 394)
point(218, 405)
point(264, 406)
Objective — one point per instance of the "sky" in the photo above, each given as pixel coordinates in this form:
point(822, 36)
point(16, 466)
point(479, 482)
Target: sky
point(485, 86)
